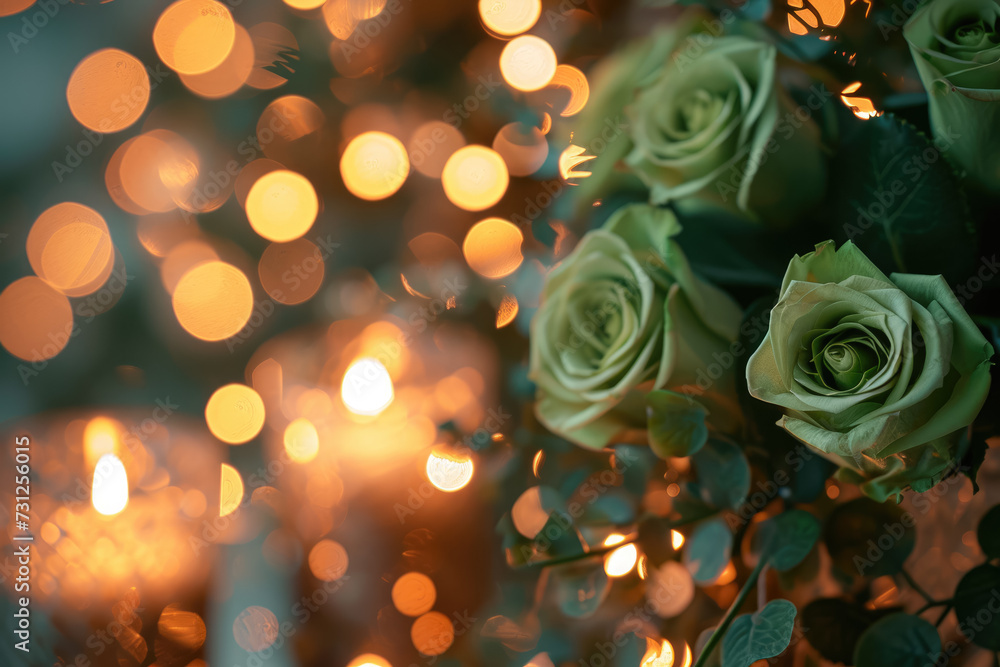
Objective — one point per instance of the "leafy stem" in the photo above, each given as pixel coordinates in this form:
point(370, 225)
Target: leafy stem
point(734, 609)
point(915, 586)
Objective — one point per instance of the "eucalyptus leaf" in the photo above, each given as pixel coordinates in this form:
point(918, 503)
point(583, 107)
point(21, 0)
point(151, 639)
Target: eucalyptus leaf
point(723, 473)
point(989, 532)
point(898, 640)
point(707, 551)
point(758, 636)
point(676, 424)
point(580, 588)
point(785, 540)
point(898, 199)
point(977, 603)
point(869, 539)
point(834, 626)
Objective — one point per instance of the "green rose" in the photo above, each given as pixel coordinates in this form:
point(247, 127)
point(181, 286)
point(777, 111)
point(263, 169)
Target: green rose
point(620, 316)
point(881, 375)
point(706, 117)
point(956, 47)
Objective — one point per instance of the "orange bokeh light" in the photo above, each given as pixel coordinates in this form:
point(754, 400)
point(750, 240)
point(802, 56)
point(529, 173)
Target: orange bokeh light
point(528, 63)
point(509, 17)
point(230, 75)
point(475, 178)
point(108, 90)
point(282, 205)
point(291, 273)
point(36, 321)
point(374, 165)
point(213, 300)
point(235, 413)
point(493, 247)
point(194, 36)
point(413, 594)
point(70, 248)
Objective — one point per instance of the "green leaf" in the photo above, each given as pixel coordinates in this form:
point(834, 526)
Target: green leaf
point(834, 626)
point(898, 640)
point(764, 634)
point(786, 539)
point(707, 551)
point(977, 599)
point(989, 533)
point(676, 424)
point(869, 539)
point(898, 199)
point(580, 588)
point(723, 473)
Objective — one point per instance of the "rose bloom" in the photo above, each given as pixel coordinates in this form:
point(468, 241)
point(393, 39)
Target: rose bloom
point(705, 116)
point(879, 374)
point(622, 315)
point(956, 47)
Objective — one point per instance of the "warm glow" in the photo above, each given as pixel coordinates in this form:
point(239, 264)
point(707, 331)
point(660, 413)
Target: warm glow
point(194, 36)
point(728, 575)
point(235, 413)
point(255, 629)
point(861, 106)
point(613, 539)
point(374, 165)
point(230, 75)
point(305, 4)
point(108, 90)
point(492, 247)
point(413, 594)
point(620, 562)
point(573, 80)
point(282, 205)
point(432, 633)
point(369, 660)
point(431, 145)
point(676, 539)
point(475, 178)
point(571, 158)
point(291, 273)
point(509, 17)
point(110, 491)
point(36, 321)
point(507, 310)
point(213, 300)
point(70, 248)
point(447, 472)
point(660, 655)
point(100, 437)
point(367, 387)
point(10, 7)
point(328, 560)
point(301, 441)
point(528, 63)
point(230, 490)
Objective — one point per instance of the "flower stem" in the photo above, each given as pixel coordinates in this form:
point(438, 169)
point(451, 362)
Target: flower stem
point(731, 614)
point(915, 586)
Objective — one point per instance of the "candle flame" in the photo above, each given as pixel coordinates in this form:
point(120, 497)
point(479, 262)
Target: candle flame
point(620, 562)
point(367, 387)
point(658, 655)
point(110, 490)
point(676, 539)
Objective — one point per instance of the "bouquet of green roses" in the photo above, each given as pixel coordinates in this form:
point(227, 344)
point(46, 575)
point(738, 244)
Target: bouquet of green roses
point(694, 318)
